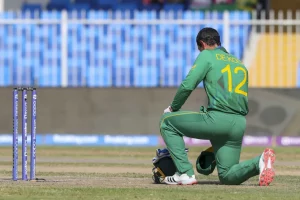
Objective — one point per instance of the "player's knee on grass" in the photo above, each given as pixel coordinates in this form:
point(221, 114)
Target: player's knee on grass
point(229, 179)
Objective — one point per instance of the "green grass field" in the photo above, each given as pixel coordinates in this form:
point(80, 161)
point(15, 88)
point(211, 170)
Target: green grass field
point(125, 173)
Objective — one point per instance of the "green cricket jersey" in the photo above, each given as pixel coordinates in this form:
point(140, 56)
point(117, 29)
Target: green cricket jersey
point(225, 79)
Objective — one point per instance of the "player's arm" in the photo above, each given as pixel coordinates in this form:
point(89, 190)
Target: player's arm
point(192, 80)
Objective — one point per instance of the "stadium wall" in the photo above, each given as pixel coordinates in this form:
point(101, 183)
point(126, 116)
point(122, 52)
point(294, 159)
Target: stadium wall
point(273, 112)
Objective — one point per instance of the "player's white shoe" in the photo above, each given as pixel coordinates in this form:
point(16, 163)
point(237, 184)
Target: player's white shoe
point(182, 179)
point(266, 170)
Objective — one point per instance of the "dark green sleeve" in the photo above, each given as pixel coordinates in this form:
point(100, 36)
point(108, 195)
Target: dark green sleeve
point(192, 80)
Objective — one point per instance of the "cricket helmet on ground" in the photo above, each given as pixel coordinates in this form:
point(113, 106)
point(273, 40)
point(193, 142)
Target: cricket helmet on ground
point(206, 162)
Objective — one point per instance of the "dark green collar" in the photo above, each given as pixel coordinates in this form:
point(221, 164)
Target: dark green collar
point(222, 48)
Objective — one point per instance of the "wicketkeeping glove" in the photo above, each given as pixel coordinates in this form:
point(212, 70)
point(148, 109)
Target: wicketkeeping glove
point(206, 162)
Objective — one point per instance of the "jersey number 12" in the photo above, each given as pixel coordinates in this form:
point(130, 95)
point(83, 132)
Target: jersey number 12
point(238, 87)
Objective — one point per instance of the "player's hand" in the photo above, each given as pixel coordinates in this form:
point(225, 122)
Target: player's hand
point(168, 109)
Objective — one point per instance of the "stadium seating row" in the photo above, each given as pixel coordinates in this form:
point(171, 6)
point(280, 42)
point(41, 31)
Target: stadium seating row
point(106, 55)
point(86, 5)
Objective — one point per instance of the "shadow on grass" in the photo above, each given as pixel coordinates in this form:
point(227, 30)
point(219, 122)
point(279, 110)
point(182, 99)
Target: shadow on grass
point(219, 183)
point(199, 183)
point(209, 183)
point(35, 180)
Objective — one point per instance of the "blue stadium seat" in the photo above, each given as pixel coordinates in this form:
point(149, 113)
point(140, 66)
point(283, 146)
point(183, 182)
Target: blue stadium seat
point(21, 75)
point(151, 7)
point(130, 1)
point(51, 15)
point(60, 2)
point(49, 76)
point(121, 14)
point(8, 15)
point(5, 74)
point(173, 7)
point(58, 5)
point(99, 77)
point(33, 9)
point(123, 76)
point(170, 14)
point(139, 3)
point(77, 14)
point(75, 76)
point(79, 7)
point(214, 15)
point(105, 4)
point(126, 6)
point(171, 76)
point(99, 14)
point(147, 76)
point(84, 1)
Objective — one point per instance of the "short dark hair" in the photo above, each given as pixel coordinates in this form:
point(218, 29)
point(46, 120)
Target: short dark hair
point(208, 35)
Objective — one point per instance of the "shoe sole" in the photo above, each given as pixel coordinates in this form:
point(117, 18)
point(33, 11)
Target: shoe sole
point(180, 183)
point(192, 183)
point(268, 173)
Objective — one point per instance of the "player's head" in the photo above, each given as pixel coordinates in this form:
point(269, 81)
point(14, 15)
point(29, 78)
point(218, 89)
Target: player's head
point(208, 38)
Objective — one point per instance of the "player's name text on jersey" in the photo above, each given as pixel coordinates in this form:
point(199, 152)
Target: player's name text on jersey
point(228, 58)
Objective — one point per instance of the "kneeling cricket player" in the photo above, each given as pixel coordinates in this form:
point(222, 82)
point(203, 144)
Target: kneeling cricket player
point(223, 122)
